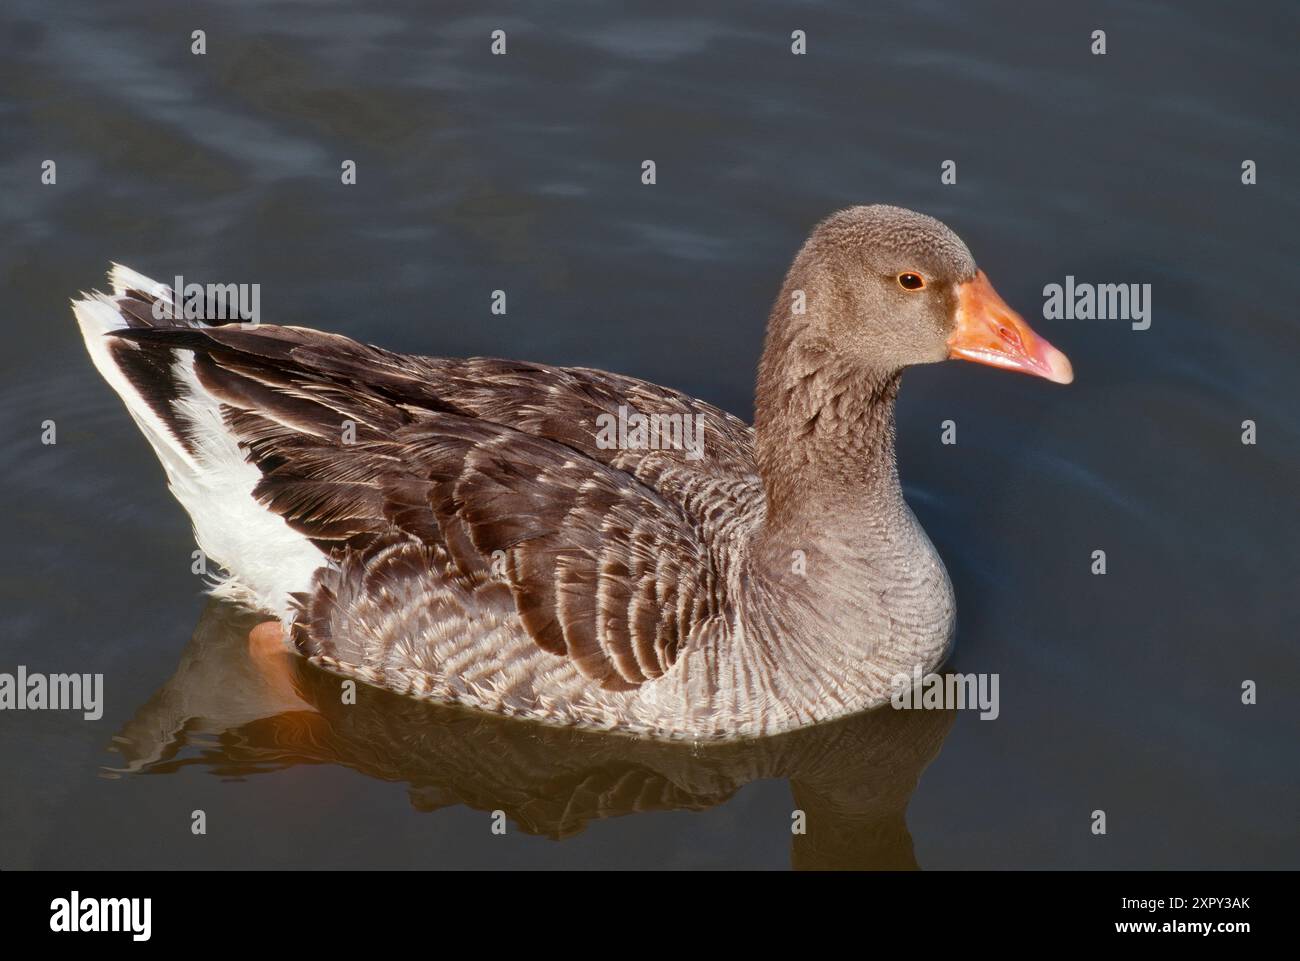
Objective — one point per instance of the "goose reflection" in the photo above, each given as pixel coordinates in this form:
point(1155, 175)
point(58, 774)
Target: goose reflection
point(227, 710)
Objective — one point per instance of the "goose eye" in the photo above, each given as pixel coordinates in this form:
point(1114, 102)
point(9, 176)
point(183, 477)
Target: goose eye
point(910, 281)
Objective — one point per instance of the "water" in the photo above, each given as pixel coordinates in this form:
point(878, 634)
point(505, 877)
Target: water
point(522, 173)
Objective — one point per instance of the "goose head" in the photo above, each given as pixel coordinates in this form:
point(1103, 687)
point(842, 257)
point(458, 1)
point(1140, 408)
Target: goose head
point(873, 290)
point(891, 288)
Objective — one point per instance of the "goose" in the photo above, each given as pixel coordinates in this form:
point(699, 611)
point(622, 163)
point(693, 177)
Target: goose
point(467, 531)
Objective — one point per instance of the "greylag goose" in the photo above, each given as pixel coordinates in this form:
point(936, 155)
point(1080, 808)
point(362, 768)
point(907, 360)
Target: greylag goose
point(480, 532)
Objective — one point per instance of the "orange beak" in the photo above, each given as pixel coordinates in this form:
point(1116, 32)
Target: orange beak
point(990, 332)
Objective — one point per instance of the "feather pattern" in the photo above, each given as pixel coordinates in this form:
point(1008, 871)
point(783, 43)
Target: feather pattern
point(457, 529)
point(572, 533)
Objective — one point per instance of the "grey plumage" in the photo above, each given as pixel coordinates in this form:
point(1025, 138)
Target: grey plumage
point(485, 549)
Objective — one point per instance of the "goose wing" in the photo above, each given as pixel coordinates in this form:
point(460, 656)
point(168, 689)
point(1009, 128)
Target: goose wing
point(607, 554)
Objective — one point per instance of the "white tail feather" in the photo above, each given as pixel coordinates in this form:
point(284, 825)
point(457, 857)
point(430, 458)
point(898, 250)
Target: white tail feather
point(213, 480)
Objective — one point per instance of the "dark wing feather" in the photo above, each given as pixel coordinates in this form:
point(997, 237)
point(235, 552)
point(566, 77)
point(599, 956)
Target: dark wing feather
point(557, 403)
point(602, 550)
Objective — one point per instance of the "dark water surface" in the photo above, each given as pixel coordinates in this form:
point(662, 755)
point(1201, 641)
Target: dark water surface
point(1119, 693)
